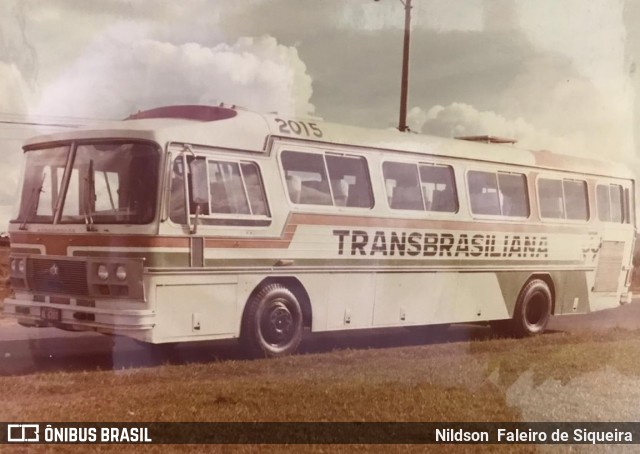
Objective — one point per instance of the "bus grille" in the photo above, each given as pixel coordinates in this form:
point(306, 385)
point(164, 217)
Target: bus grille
point(58, 276)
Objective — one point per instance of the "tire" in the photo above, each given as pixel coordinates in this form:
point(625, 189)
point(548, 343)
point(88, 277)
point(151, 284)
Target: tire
point(272, 323)
point(533, 309)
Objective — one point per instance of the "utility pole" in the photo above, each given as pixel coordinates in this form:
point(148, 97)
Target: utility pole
point(404, 84)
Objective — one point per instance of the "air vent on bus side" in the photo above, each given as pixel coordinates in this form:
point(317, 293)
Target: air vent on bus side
point(487, 139)
point(186, 112)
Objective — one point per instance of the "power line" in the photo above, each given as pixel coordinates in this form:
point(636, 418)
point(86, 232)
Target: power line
point(50, 118)
point(22, 128)
point(33, 123)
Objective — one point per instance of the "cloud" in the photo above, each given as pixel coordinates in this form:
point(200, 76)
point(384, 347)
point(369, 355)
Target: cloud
point(15, 92)
point(548, 74)
point(18, 74)
point(460, 119)
point(439, 15)
point(123, 72)
point(566, 103)
point(416, 118)
point(15, 47)
point(10, 176)
point(543, 106)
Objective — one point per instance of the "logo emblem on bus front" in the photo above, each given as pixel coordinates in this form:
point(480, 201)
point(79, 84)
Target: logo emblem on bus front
point(53, 271)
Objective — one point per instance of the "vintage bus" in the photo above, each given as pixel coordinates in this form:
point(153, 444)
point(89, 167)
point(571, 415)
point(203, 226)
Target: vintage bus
point(190, 223)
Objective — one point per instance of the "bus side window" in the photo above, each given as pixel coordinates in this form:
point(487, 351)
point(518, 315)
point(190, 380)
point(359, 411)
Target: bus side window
point(231, 188)
point(226, 188)
point(255, 189)
point(483, 192)
point(309, 170)
point(294, 186)
point(563, 199)
point(438, 188)
point(515, 200)
point(576, 200)
point(340, 190)
point(407, 192)
point(350, 182)
point(550, 198)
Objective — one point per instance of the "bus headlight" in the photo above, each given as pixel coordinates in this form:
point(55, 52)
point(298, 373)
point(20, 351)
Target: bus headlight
point(21, 265)
point(103, 272)
point(14, 265)
point(121, 272)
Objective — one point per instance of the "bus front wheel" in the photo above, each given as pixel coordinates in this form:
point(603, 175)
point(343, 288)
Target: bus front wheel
point(533, 309)
point(272, 325)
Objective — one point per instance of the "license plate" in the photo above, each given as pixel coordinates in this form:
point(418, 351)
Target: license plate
point(50, 314)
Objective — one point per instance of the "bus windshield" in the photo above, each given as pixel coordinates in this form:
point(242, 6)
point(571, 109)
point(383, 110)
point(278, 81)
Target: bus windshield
point(106, 183)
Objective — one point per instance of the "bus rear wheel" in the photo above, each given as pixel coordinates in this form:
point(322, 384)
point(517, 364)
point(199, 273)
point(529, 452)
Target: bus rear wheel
point(533, 309)
point(272, 325)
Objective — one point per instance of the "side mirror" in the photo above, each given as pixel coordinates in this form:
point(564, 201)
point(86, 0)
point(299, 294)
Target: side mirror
point(200, 184)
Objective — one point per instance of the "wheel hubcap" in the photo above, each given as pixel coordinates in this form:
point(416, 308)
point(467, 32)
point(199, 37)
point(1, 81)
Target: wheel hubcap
point(277, 324)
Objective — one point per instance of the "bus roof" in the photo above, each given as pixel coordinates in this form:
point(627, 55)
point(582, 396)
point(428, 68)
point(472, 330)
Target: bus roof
point(228, 127)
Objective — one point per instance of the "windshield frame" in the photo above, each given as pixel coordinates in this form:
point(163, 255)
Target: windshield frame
point(26, 214)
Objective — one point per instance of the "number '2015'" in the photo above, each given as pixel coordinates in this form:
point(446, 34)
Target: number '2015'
point(298, 128)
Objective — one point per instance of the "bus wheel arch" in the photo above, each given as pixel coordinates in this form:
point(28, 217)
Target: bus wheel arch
point(276, 313)
point(533, 308)
point(547, 279)
point(296, 287)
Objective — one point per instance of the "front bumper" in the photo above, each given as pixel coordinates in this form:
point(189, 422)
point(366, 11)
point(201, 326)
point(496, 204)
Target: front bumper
point(80, 318)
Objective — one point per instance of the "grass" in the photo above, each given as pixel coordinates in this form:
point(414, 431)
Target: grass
point(556, 377)
point(589, 376)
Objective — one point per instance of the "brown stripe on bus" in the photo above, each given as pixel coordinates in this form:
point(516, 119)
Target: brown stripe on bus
point(56, 244)
point(432, 224)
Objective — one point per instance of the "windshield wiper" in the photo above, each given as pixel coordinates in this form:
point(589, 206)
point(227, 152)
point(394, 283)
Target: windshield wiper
point(90, 198)
point(33, 198)
point(106, 182)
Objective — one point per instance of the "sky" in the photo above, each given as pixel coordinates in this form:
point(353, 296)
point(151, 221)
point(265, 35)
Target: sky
point(557, 75)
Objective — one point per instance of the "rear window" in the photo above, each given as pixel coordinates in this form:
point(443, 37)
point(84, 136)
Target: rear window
point(610, 201)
